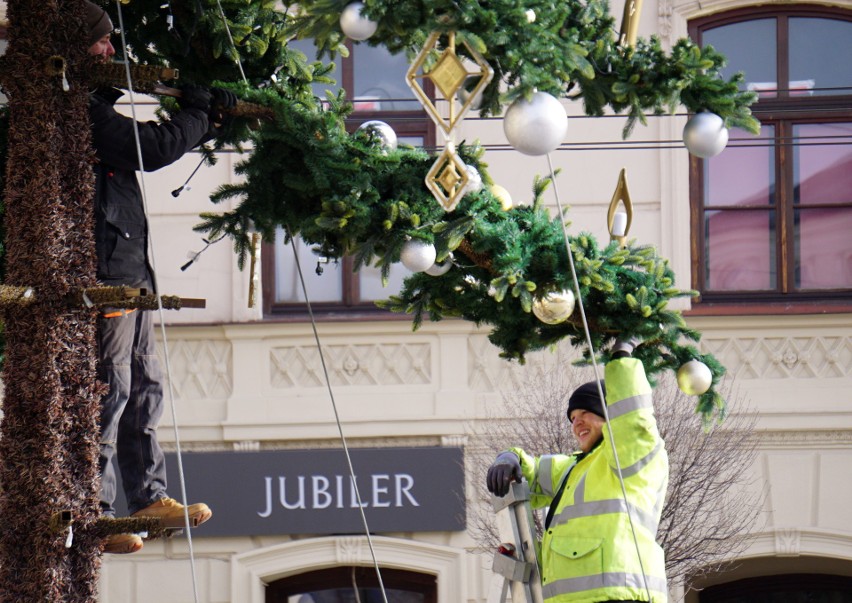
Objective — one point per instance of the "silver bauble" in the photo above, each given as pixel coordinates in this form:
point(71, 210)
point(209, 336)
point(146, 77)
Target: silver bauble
point(439, 268)
point(417, 255)
point(536, 126)
point(705, 135)
point(354, 24)
point(555, 307)
point(694, 378)
point(474, 180)
point(465, 92)
point(381, 132)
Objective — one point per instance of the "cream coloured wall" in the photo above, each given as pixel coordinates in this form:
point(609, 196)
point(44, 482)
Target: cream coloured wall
point(244, 383)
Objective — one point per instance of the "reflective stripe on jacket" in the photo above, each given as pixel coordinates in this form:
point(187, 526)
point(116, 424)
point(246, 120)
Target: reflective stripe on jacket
point(588, 553)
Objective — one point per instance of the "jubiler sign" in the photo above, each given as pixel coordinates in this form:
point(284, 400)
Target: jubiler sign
point(311, 491)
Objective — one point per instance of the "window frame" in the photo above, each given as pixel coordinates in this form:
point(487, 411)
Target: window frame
point(341, 577)
point(405, 123)
point(777, 584)
point(783, 112)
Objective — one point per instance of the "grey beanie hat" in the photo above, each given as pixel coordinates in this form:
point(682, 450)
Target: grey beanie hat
point(97, 21)
point(586, 397)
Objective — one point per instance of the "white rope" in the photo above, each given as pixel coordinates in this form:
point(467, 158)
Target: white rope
point(231, 39)
point(597, 373)
point(160, 312)
point(337, 420)
point(324, 368)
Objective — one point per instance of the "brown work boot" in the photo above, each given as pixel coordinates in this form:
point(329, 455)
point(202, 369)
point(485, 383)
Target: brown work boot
point(171, 515)
point(123, 544)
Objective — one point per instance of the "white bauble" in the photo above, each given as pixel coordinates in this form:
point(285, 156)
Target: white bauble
point(354, 24)
point(439, 268)
point(464, 92)
point(705, 135)
point(474, 180)
point(555, 307)
point(503, 196)
point(536, 126)
point(381, 132)
point(417, 255)
point(694, 378)
point(530, 16)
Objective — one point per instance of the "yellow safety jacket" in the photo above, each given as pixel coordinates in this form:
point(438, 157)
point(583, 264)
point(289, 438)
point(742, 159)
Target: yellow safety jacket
point(588, 553)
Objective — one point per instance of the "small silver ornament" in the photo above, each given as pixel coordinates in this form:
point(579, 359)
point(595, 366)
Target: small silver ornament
point(464, 92)
point(536, 126)
point(530, 15)
point(381, 132)
point(354, 24)
point(417, 255)
point(705, 135)
point(694, 378)
point(474, 180)
point(555, 307)
point(439, 268)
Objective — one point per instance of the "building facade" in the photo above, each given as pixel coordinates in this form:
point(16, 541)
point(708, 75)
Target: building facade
point(762, 232)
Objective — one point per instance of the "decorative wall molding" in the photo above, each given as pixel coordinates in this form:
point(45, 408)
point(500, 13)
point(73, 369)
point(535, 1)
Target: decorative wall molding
point(778, 357)
point(808, 440)
point(200, 368)
point(351, 364)
point(352, 551)
point(787, 542)
point(251, 570)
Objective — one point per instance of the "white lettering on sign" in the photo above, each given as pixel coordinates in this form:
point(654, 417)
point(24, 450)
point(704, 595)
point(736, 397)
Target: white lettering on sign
point(318, 492)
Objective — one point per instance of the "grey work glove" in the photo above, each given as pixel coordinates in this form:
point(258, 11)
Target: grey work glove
point(505, 470)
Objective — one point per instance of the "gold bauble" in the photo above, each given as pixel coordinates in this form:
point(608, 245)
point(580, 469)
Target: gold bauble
point(694, 378)
point(503, 196)
point(555, 307)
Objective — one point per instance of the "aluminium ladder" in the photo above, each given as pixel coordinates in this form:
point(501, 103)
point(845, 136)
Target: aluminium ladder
point(515, 563)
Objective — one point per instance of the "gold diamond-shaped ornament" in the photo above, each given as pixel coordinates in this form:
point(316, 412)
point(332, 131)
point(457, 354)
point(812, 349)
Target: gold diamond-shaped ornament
point(447, 179)
point(448, 74)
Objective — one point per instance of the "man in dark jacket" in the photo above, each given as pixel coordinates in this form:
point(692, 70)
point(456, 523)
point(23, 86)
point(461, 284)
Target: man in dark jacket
point(128, 363)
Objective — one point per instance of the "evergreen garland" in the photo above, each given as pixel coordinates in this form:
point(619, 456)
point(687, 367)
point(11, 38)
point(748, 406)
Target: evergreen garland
point(564, 48)
point(344, 194)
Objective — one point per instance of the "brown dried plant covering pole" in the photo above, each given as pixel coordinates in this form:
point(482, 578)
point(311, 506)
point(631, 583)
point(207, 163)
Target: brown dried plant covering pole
point(49, 443)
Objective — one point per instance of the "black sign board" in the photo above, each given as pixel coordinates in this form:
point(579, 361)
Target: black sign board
point(311, 492)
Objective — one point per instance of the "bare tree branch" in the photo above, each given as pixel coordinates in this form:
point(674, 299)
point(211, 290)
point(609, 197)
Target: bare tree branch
point(710, 508)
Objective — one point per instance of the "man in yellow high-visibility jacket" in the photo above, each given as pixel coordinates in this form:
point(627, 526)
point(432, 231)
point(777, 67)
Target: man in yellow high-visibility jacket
point(588, 553)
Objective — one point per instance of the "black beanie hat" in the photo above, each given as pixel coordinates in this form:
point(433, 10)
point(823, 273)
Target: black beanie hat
point(586, 397)
point(97, 22)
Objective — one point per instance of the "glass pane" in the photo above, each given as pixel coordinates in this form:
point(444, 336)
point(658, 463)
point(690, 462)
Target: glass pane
point(824, 248)
point(750, 47)
point(815, 45)
point(380, 80)
point(739, 248)
point(822, 169)
point(325, 287)
point(364, 595)
point(370, 280)
point(742, 175)
point(310, 50)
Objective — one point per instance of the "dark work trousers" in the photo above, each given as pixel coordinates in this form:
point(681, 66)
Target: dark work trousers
point(131, 411)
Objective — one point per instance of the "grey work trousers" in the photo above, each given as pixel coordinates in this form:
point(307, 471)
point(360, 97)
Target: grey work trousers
point(130, 411)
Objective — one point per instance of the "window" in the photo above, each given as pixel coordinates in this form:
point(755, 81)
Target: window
point(352, 584)
point(375, 82)
point(787, 588)
point(771, 215)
